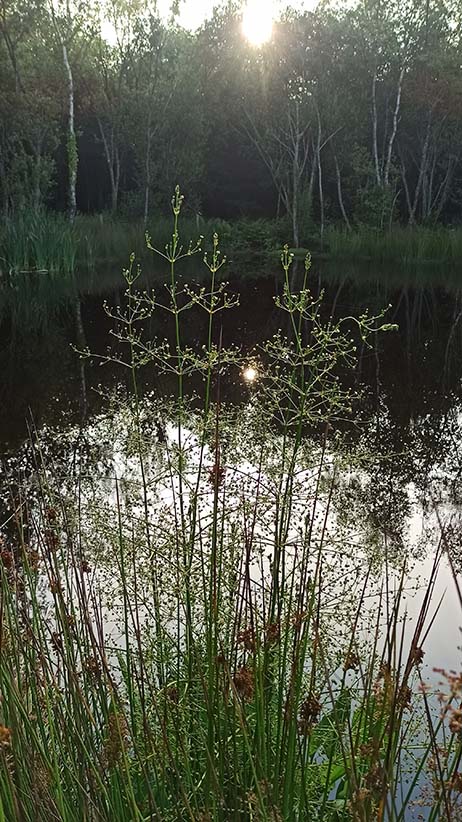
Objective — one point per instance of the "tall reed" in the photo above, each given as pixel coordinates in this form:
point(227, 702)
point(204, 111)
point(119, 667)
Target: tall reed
point(177, 641)
point(407, 246)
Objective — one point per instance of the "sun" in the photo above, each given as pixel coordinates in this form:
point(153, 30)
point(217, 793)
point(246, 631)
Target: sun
point(257, 21)
point(108, 32)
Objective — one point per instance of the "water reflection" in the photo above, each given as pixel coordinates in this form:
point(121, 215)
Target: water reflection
point(408, 417)
point(413, 377)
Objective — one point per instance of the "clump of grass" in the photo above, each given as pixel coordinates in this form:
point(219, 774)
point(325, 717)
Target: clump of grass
point(41, 243)
point(407, 246)
point(104, 239)
point(180, 646)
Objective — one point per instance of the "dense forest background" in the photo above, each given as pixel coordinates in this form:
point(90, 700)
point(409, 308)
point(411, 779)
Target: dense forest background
point(351, 114)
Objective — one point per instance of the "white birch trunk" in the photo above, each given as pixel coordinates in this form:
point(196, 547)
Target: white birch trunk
point(72, 156)
point(375, 148)
point(394, 130)
point(340, 193)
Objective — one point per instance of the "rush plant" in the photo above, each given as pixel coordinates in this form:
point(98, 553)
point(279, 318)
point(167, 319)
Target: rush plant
point(182, 634)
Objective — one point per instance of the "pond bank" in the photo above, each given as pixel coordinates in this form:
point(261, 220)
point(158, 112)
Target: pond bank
point(46, 242)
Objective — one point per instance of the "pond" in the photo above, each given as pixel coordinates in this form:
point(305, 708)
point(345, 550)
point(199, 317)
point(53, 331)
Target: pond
point(413, 375)
point(393, 469)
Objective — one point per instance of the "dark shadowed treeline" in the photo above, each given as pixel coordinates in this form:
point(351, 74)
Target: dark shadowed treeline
point(350, 115)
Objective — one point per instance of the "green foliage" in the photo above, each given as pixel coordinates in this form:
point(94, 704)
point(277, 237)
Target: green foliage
point(254, 239)
point(350, 113)
point(374, 208)
point(45, 242)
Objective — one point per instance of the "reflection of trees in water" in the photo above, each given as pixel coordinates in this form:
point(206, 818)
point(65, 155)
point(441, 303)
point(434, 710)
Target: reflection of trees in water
point(362, 524)
point(34, 381)
point(414, 375)
point(405, 428)
point(451, 527)
point(81, 341)
point(409, 418)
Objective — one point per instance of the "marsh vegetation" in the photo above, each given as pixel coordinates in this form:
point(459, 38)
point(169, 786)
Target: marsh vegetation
point(229, 501)
point(206, 608)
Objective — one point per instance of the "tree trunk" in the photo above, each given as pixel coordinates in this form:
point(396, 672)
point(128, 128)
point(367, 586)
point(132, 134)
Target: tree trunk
point(320, 181)
point(443, 191)
point(11, 49)
point(394, 130)
point(3, 178)
point(72, 151)
point(375, 149)
point(422, 170)
point(321, 201)
point(296, 181)
point(311, 183)
point(430, 183)
point(147, 178)
point(37, 187)
point(425, 197)
point(278, 207)
point(116, 181)
point(406, 191)
point(112, 156)
point(340, 193)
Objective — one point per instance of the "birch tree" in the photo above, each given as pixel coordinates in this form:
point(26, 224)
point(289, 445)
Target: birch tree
point(73, 25)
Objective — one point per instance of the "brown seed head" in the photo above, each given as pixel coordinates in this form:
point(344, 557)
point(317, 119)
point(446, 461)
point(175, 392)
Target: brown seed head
point(455, 723)
point(51, 540)
point(243, 682)
point(5, 736)
point(246, 637)
point(384, 671)
point(367, 749)
point(351, 662)
point(297, 619)
point(117, 739)
point(375, 778)
point(91, 666)
point(217, 474)
point(455, 784)
point(273, 633)
point(7, 558)
point(417, 655)
point(404, 697)
point(309, 714)
point(33, 559)
point(173, 695)
point(55, 585)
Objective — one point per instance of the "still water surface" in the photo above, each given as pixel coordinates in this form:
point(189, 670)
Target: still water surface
point(413, 377)
point(410, 417)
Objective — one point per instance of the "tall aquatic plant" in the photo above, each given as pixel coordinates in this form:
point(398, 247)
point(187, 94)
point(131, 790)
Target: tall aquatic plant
point(202, 677)
point(37, 243)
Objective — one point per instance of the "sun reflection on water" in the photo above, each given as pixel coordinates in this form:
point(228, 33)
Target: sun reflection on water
point(250, 373)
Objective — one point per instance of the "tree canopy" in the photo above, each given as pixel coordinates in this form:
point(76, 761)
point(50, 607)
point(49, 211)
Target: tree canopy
point(352, 113)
